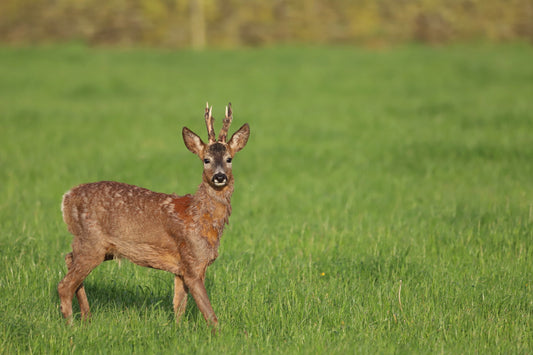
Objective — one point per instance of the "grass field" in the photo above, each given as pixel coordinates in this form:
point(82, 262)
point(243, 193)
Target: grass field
point(384, 202)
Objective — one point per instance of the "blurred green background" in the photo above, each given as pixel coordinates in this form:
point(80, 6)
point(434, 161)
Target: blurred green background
point(229, 23)
point(384, 202)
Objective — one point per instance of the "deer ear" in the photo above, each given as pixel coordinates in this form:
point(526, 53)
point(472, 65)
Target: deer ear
point(239, 138)
point(193, 142)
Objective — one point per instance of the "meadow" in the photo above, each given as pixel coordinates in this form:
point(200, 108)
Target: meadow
point(383, 204)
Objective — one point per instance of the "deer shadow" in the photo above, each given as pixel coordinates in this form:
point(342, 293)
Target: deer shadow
point(108, 297)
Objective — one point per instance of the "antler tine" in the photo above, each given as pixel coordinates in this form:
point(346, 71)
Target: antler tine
point(209, 123)
point(226, 123)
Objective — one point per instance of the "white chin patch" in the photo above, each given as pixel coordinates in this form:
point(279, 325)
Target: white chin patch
point(219, 184)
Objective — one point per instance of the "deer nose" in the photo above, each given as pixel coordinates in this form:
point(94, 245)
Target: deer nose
point(220, 179)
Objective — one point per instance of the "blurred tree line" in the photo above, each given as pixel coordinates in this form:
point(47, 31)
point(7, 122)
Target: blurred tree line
point(225, 23)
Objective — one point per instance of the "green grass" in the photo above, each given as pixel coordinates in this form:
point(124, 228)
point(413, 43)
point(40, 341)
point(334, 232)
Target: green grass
point(383, 204)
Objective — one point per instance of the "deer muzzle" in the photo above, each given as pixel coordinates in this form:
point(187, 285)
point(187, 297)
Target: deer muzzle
point(220, 179)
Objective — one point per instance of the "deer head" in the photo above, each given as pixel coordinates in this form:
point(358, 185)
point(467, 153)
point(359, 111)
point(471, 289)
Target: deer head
point(217, 154)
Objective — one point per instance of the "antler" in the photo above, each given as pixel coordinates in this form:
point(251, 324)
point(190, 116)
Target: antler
point(209, 123)
point(226, 123)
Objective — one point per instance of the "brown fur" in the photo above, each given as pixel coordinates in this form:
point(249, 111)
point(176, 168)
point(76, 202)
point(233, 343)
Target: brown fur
point(178, 234)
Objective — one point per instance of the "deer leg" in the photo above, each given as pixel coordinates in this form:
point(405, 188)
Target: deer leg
point(80, 293)
point(180, 297)
point(78, 269)
point(197, 288)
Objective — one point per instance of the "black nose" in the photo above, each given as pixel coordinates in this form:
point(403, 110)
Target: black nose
point(220, 178)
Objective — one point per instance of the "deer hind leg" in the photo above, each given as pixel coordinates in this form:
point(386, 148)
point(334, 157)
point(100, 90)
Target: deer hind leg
point(79, 267)
point(80, 292)
point(180, 297)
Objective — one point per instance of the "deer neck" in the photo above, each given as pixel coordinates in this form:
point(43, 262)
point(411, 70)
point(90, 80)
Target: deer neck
point(212, 209)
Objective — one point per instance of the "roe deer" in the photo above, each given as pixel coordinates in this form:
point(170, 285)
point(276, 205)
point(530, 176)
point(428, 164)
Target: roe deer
point(179, 234)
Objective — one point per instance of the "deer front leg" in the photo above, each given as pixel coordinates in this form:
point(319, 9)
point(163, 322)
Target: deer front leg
point(197, 289)
point(180, 297)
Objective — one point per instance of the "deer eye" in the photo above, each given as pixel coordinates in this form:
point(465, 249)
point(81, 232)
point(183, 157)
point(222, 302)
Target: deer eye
point(228, 160)
point(207, 161)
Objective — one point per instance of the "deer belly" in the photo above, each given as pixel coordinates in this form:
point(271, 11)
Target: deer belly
point(156, 256)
